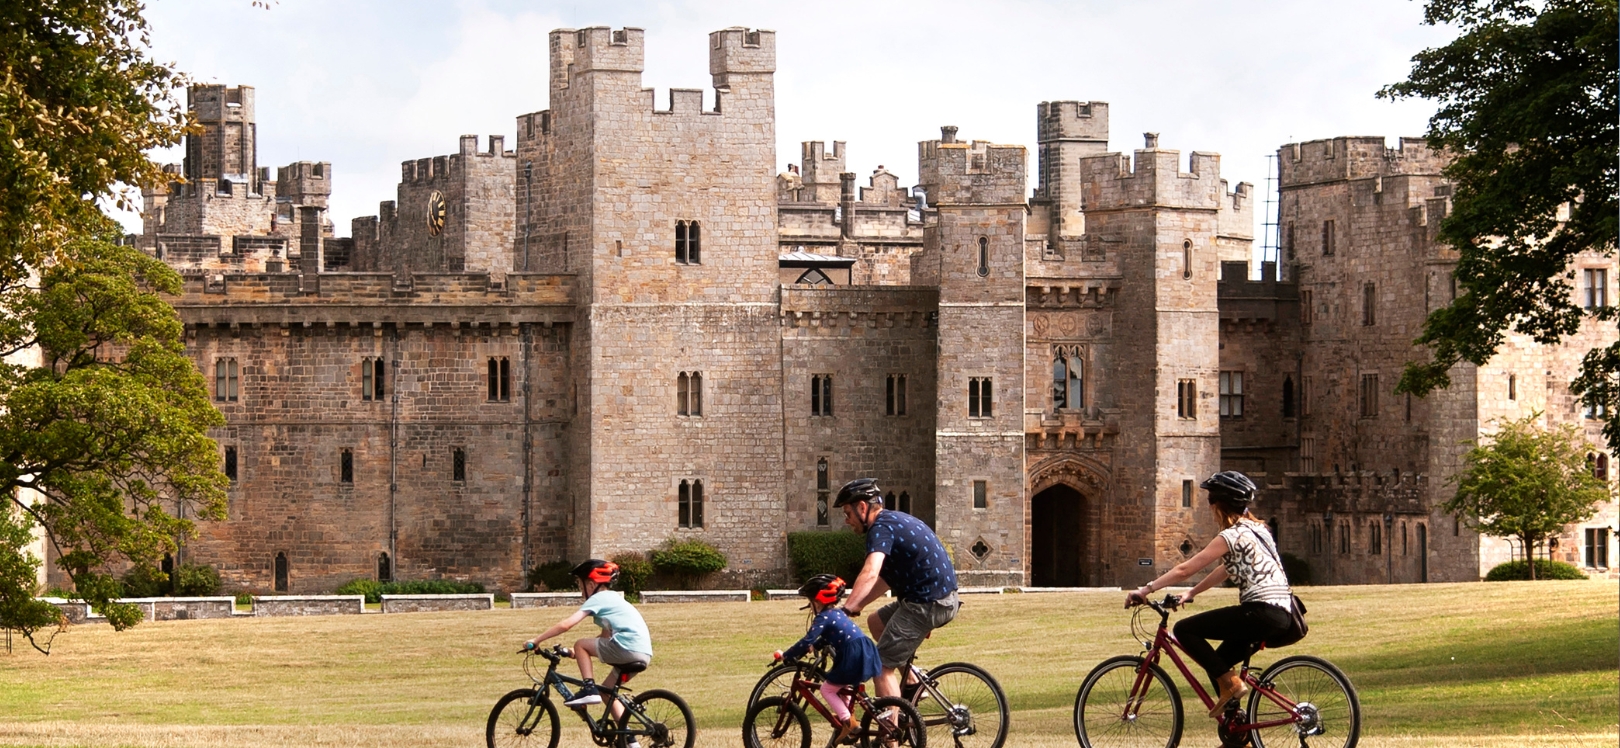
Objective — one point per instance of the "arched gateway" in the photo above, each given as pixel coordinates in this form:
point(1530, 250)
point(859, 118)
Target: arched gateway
point(1062, 521)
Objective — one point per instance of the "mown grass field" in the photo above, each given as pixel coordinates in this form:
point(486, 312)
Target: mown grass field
point(1507, 664)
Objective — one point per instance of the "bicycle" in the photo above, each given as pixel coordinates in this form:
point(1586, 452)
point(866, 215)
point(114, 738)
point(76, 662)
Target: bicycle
point(781, 722)
point(960, 704)
point(1299, 701)
point(526, 717)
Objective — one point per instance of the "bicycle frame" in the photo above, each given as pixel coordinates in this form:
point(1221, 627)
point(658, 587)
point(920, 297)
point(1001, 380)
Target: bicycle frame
point(805, 691)
point(1165, 642)
point(615, 693)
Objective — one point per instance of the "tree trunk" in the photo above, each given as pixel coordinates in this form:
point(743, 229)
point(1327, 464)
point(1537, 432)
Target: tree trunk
point(1530, 550)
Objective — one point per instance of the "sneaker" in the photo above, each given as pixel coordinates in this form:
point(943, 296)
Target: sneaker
point(846, 732)
point(585, 697)
point(1229, 699)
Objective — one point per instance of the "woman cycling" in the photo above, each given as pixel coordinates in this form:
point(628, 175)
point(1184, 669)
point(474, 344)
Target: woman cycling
point(1249, 556)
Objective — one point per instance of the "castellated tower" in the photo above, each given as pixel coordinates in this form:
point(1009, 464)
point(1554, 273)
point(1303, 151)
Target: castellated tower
point(668, 217)
point(973, 251)
point(1066, 132)
point(453, 214)
point(227, 148)
point(1161, 224)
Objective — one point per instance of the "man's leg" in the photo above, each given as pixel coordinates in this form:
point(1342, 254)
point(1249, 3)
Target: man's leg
point(905, 627)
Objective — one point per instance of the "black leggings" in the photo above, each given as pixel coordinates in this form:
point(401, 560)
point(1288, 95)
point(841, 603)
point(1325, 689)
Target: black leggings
point(1238, 628)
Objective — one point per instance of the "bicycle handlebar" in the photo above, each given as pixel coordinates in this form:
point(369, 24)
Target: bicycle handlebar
point(556, 653)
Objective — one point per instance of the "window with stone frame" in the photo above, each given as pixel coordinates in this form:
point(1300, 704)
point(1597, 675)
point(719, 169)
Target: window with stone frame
point(1596, 281)
point(689, 501)
point(1307, 454)
point(1187, 398)
point(1288, 397)
point(1306, 312)
point(689, 393)
point(1344, 538)
point(1231, 391)
point(1369, 304)
point(1369, 395)
point(980, 397)
point(821, 394)
point(458, 465)
point(981, 494)
point(385, 568)
point(1597, 547)
point(1327, 238)
point(346, 466)
point(227, 381)
point(372, 374)
point(1375, 533)
point(905, 502)
point(500, 379)
point(1513, 386)
point(823, 494)
point(688, 243)
point(894, 395)
point(230, 464)
point(1068, 379)
point(282, 572)
point(1186, 494)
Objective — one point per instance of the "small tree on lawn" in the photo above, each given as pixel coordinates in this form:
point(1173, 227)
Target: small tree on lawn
point(1526, 482)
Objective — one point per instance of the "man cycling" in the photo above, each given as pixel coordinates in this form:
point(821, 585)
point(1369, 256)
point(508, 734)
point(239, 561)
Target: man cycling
point(902, 555)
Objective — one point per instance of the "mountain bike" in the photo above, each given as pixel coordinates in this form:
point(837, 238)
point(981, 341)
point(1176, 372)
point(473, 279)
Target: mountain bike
point(781, 721)
point(650, 719)
point(961, 705)
point(1297, 702)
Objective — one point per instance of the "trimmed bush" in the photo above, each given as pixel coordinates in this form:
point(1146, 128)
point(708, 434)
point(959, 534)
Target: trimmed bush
point(195, 580)
point(841, 552)
point(1297, 569)
point(552, 576)
point(244, 598)
point(145, 581)
point(371, 588)
point(374, 590)
point(1519, 570)
point(687, 560)
point(635, 573)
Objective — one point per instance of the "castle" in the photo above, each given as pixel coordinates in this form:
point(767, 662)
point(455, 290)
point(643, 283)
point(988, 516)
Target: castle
point(631, 327)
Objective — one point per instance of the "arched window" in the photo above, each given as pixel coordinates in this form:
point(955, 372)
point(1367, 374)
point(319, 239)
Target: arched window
point(905, 502)
point(888, 501)
point(984, 257)
point(682, 394)
point(690, 500)
point(1186, 260)
point(1060, 381)
point(281, 571)
point(385, 570)
point(1288, 397)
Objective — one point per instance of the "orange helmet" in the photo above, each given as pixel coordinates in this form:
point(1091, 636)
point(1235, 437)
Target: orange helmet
point(597, 570)
point(824, 588)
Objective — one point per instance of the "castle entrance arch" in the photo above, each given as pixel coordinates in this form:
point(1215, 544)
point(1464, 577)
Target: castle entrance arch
point(1057, 537)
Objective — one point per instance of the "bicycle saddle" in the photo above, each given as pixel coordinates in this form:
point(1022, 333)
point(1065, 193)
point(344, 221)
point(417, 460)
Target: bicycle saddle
point(633, 667)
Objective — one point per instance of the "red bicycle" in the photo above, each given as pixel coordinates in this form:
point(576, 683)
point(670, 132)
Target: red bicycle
point(780, 721)
point(1129, 701)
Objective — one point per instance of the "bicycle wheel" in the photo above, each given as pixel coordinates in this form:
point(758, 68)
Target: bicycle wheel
point(965, 709)
point(660, 720)
point(778, 681)
point(1326, 710)
point(775, 722)
point(1116, 708)
point(520, 720)
point(907, 731)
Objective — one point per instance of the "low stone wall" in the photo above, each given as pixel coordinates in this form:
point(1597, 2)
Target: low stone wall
point(309, 605)
point(545, 599)
point(781, 594)
point(980, 590)
point(185, 608)
point(1042, 590)
point(696, 596)
point(75, 611)
point(429, 603)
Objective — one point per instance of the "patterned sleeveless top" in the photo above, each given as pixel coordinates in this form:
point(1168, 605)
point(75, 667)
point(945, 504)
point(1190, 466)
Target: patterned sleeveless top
point(1252, 564)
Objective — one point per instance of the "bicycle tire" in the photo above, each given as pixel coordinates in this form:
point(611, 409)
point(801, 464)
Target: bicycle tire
point(977, 715)
point(785, 725)
point(1335, 718)
point(505, 728)
point(665, 721)
point(909, 730)
point(1100, 719)
point(778, 681)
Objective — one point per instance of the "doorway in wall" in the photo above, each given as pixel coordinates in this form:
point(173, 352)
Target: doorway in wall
point(1056, 540)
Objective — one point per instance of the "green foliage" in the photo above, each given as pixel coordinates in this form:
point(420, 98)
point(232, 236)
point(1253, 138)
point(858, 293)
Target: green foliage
point(841, 552)
point(196, 580)
point(1526, 101)
point(687, 560)
point(635, 573)
point(1526, 482)
point(374, 590)
point(552, 576)
point(18, 569)
point(1519, 570)
point(144, 581)
point(244, 598)
point(1297, 569)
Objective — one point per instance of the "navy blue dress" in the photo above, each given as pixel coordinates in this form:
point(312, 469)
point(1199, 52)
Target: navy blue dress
point(855, 657)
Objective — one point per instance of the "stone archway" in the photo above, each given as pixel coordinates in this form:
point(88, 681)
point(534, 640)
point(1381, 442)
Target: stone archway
point(1057, 537)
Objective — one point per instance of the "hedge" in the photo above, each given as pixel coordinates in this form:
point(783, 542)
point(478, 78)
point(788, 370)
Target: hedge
point(554, 576)
point(687, 560)
point(1517, 570)
point(841, 553)
point(635, 573)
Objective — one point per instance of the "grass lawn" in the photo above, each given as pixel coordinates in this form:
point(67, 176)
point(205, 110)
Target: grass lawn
point(1501, 664)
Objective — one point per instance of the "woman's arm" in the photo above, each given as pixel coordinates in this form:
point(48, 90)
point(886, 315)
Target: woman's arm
point(560, 627)
point(1210, 580)
point(1180, 572)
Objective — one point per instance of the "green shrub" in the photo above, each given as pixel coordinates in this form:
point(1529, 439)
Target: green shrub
point(244, 598)
point(1297, 569)
point(196, 580)
point(374, 590)
point(687, 560)
point(371, 588)
point(553, 576)
point(145, 581)
point(841, 552)
point(1517, 570)
point(635, 573)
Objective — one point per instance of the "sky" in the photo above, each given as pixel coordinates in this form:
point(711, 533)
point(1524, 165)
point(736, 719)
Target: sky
point(367, 84)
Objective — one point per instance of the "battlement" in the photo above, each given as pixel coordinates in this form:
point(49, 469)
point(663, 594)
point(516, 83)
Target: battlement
point(820, 171)
point(976, 173)
point(434, 168)
point(1084, 121)
point(741, 51)
point(1334, 159)
point(274, 292)
point(597, 49)
point(1113, 181)
point(302, 180)
point(220, 103)
point(1235, 217)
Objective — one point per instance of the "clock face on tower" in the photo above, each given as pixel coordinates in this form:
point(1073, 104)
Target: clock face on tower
point(435, 213)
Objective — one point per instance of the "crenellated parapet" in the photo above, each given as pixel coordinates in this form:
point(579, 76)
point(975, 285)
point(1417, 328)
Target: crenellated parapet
point(1343, 158)
point(1114, 181)
point(326, 300)
point(976, 173)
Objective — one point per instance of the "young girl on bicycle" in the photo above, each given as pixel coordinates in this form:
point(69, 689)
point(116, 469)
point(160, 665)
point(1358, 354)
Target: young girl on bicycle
point(855, 657)
point(1249, 556)
point(624, 638)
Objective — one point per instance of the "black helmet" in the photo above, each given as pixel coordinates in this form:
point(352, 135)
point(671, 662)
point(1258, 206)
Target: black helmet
point(598, 571)
point(858, 491)
point(1230, 487)
point(824, 588)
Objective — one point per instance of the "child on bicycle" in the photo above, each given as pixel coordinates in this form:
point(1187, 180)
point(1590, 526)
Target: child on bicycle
point(624, 639)
point(855, 656)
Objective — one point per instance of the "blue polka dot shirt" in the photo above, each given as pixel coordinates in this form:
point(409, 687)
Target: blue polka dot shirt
point(915, 565)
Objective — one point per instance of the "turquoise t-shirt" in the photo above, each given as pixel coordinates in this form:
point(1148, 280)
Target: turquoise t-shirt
point(609, 610)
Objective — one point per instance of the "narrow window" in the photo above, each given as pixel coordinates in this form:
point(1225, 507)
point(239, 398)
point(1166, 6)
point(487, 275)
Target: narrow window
point(980, 499)
point(1231, 390)
point(1307, 454)
point(1288, 397)
point(385, 569)
point(1597, 547)
point(688, 243)
point(691, 504)
point(1186, 494)
point(1369, 395)
point(888, 501)
point(1077, 390)
point(1597, 287)
point(683, 386)
point(500, 379)
point(1403, 539)
point(1327, 238)
point(1344, 537)
point(1369, 304)
point(680, 242)
point(1288, 239)
point(1305, 311)
point(697, 393)
point(226, 380)
point(1408, 407)
point(371, 378)
point(905, 502)
point(1060, 382)
point(281, 571)
point(230, 464)
point(1186, 260)
point(984, 257)
point(683, 501)
point(888, 396)
point(821, 395)
point(458, 465)
point(346, 467)
point(902, 399)
point(1374, 536)
point(823, 492)
point(1186, 398)
point(979, 397)
point(1513, 387)
point(1600, 469)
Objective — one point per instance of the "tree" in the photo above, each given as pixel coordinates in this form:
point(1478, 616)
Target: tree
point(1527, 482)
point(1527, 103)
point(109, 428)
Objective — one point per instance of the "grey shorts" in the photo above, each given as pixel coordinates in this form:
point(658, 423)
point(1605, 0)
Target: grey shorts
point(906, 625)
point(611, 653)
